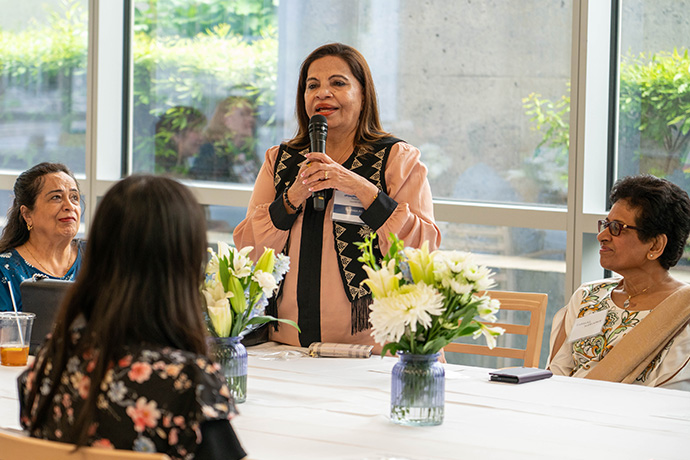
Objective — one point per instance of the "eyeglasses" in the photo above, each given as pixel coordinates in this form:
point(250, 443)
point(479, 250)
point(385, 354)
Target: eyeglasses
point(614, 226)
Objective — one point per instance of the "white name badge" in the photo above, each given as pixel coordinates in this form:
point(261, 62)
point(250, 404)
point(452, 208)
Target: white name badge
point(347, 208)
point(588, 326)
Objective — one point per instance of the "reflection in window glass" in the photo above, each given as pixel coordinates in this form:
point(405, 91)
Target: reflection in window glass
point(524, 260)
point(654, 117)
point(43, 45)
point(204, 87)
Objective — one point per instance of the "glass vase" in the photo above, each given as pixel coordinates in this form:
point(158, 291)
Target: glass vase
point(231, 355)
point(418, 386)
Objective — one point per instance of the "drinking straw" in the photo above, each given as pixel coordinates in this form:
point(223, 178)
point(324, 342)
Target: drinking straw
point(16, 313)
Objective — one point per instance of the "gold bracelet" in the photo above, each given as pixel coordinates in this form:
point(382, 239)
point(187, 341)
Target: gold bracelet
point(287, 201)
point(377, 194)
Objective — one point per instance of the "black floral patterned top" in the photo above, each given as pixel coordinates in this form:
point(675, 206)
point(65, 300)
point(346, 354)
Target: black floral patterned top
point(152, 400)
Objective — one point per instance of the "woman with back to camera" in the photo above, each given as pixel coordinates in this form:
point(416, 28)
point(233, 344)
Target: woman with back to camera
point(641, 319)
point(126, 366)
point(38, 239)
point(363, 167)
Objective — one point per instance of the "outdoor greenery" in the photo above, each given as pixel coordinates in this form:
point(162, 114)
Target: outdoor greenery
point(186, 52)
point(549, 163)
point(188, 18)
point(655, 100)
point(42, 51)
point(654, 114)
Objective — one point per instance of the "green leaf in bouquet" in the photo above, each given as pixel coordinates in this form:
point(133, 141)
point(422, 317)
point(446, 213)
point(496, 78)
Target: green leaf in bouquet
point(267, 318)
point(224, 273)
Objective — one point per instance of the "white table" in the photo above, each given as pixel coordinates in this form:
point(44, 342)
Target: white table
point(325, 408)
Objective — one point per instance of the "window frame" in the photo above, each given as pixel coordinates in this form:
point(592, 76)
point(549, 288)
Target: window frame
point(587, 182)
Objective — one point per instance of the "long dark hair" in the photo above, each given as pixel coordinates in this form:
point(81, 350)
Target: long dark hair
point(139, 283)
point(369, 127)
point(26, 189)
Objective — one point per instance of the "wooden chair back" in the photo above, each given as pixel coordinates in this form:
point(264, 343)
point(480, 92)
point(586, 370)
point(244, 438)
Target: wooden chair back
point(21, 447)
point(535, 304)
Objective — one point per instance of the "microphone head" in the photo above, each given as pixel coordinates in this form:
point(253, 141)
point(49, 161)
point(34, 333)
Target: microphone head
point(318, 123)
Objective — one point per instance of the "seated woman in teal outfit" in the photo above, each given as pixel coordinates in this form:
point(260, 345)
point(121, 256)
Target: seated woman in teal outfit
point(38, 240)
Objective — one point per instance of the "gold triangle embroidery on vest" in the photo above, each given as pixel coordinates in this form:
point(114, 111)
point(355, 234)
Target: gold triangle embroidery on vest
point(377, 177)
point(339, 230)
point(341, 245)
point(378, 165)
point(354, 292)
point(349, 276)
point(285, 156)
point(345, 260)
point(356, 164)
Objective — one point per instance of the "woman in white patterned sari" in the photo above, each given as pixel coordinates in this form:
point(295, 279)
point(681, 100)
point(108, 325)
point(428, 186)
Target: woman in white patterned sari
point(635, 327)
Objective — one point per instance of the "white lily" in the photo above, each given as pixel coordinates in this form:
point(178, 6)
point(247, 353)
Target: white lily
point(266, 281)
point(421, 264)
point(489, 333)
point(221, 318)
point(241, 265)
point(383, 282)
point(487, 310)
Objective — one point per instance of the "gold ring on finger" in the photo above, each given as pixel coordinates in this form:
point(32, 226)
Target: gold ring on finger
point(325, 175)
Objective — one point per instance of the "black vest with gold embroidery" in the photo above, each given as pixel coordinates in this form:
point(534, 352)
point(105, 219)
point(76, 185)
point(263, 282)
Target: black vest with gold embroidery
point(371, 166)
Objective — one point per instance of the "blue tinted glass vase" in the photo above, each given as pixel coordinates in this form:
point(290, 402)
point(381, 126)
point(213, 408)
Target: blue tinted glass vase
point(418, 390)
point(231, 355)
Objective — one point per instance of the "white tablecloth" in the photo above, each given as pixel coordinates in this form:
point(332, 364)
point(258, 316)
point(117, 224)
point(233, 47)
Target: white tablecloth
point(331, 408)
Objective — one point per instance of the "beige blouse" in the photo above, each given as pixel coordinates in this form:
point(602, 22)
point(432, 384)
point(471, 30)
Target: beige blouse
point(670, 369)
point(412, 221)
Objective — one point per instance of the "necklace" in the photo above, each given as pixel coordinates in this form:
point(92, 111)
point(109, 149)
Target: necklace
point(626, 304)
point(39, 262)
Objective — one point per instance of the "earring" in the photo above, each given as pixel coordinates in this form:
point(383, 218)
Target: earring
point(29, 227)
point(650, 256)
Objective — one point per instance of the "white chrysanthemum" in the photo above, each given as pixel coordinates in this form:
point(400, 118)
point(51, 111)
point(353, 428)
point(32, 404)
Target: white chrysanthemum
point(387, 320)
point(414, 304)
point(266, 281)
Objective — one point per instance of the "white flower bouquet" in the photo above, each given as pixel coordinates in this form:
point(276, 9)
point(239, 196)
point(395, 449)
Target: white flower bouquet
point(237, 290)
point(423, 301)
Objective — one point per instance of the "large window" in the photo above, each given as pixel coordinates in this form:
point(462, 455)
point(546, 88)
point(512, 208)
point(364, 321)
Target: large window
point(654, 93)
point(654, 81)
point(43, 79)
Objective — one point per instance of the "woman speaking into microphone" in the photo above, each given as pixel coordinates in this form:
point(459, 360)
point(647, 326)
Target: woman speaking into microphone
point(371, 183)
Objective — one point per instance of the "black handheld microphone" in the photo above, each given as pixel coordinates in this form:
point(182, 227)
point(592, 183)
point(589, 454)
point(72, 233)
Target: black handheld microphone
point(318, 129)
